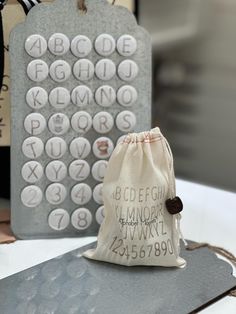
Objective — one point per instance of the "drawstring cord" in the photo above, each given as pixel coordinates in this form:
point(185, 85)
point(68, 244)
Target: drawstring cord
point(171, 179)
point(82, 6)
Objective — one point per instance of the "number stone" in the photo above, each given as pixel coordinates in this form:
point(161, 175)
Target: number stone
point(97, 194)
point(100, 215)
point(31, 196)
point(81, 219)
point(59, 219)
point(56, 193)
point(81, 194)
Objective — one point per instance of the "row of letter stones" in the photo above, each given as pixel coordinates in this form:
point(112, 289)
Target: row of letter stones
point(81, 46)
point(81, 96)
point(83, 69)
point(80, 122)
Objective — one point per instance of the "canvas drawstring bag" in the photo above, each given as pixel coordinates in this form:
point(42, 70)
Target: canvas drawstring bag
point(138, 187)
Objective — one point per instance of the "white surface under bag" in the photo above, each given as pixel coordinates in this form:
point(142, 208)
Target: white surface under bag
point(137, 228)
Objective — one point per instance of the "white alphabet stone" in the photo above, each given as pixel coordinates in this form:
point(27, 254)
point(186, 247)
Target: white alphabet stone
point(126, 45)
point(32, 171)
point(127, 96)
point(81, 46)
point(103, 122)
point(105, 45)
point(32, 147)
point(56, 171)
point(128, 70)
point(36, 45)
point(99, 170)
point(105, 69)
point(83, 70)
point(58, 44)
point(37, 97)
point(81, 122)
point(37, 70)
point(105, 96)
point(35, 123)
point(56, 147)
point(60, 71)
point(80, 148)
point(81, 96)
point(126, 121)
point(59, 97)
point(79, 170)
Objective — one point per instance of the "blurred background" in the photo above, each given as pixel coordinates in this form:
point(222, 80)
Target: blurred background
point(194, 85)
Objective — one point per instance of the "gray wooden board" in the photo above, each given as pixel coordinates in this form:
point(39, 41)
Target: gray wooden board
point(71, 284)
point(63, 16)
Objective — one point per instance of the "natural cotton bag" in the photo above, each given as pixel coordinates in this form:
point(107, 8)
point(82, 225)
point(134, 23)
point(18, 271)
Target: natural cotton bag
point(137, 228)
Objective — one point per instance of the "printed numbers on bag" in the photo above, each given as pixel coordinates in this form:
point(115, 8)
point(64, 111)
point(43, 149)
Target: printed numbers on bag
point(117, 243)
point(125, 252)
point(152, 250)
point(134, 252)
point(163, 248)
